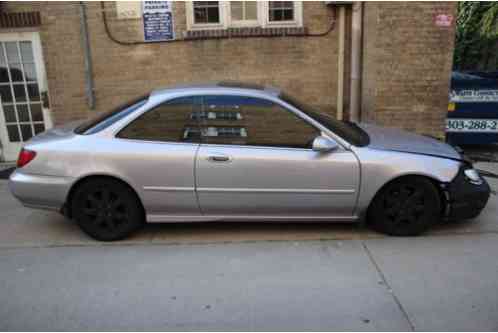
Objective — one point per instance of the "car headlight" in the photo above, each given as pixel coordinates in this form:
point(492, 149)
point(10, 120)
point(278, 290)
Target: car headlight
point(473, 176)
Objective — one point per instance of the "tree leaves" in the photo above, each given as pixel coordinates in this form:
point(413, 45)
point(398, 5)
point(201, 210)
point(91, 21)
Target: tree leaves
point(476, 44)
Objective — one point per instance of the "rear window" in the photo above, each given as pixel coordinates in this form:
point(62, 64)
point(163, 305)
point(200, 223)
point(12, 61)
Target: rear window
point(106, 119)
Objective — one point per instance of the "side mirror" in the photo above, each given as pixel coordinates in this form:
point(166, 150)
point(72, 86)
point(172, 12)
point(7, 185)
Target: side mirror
point(322, 144)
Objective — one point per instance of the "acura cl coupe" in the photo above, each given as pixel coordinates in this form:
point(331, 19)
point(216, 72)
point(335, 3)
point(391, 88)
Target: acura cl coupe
point(239, 152)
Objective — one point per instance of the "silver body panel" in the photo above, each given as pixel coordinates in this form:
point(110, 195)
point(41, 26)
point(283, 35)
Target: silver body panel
point(274, 181)
point(178, 182)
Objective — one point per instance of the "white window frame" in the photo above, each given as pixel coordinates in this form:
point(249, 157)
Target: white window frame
point(246, 23)
point(191, 25)
point(296, 22)
point(226, 21)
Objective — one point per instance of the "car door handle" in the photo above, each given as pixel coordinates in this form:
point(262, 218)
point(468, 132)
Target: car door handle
point(218, 158)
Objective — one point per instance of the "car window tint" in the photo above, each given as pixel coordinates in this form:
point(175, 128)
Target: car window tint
point(106, 119)
point(171, 121)
point(240, 120)
point(349, 131)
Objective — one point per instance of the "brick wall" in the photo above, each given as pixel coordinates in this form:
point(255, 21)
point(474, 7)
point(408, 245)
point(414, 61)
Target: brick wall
point(407, 65)
point(407, 61)
point(304, 66)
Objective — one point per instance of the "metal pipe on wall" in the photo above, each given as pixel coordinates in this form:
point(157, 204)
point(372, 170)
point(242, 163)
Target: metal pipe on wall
point(340, 62)
point(356, 51)
point(85, 44)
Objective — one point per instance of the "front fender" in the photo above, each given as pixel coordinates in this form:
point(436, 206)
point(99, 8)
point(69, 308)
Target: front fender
point(378, 167)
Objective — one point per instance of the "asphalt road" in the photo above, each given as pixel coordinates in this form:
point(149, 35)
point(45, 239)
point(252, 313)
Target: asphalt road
point(238, 276)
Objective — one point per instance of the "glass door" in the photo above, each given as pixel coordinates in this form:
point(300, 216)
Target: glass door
point(22, 85)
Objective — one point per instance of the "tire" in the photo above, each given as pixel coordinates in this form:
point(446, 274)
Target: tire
point(106, 209)
point(405, 207)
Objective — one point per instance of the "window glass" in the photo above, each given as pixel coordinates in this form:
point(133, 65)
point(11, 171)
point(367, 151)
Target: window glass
point(349, 131)
point(206, 12)
point(106, 119)
point(238, 120)
point(19, 92)
point(280, 11)
point(171, 121)
point(244, 10)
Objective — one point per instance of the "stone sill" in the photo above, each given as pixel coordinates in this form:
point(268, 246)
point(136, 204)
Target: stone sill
point(244, 32)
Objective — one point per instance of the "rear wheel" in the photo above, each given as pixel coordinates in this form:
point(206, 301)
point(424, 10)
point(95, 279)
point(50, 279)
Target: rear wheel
point(106, 209)
point(405, 207)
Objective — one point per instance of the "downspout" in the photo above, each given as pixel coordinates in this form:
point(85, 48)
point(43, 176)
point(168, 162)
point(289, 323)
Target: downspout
point(356, 51)
point(340, 62)
point(85, 44)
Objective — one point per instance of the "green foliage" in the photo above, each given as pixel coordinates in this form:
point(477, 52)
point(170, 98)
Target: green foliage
point(476, 46)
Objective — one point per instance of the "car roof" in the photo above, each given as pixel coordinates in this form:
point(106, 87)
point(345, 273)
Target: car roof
point(222, 86)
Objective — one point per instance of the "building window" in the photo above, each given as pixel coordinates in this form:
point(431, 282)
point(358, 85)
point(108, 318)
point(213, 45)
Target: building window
point(202, 15)
point(219, 115)
point(230, 132)
point(222, 132)
point(206, 12)
point(280, 11)
point(244, 12)
point(191, 133)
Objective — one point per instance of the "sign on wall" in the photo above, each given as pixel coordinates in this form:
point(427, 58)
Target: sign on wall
point(158, 21)
point(472, 96)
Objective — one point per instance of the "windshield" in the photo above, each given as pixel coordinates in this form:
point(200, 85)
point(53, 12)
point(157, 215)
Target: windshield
point(349, 131)
point(106, 119)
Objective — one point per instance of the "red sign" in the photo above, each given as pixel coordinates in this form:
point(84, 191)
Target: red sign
point(443, 20)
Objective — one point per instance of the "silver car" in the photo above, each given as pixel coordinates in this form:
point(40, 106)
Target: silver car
point(239, 152)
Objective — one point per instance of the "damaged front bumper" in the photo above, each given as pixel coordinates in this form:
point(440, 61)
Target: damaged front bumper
point(465, 199)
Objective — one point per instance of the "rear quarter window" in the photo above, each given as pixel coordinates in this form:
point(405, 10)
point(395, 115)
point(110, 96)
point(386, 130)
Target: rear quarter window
point(106, 119)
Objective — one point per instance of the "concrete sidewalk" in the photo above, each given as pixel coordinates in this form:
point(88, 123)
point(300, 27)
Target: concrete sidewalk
point(424, 283)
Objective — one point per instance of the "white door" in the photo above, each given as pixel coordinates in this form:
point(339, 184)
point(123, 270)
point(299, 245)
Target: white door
point(24, 110)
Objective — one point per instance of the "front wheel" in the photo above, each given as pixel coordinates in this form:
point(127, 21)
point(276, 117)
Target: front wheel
point(405, 207)
point(106, 209)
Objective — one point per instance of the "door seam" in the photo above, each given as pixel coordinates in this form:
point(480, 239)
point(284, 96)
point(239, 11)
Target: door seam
point(196, 159)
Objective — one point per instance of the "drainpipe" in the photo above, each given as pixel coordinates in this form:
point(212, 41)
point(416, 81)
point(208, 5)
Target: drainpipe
point(340, 63)
point(356, 51)
point(85, 44)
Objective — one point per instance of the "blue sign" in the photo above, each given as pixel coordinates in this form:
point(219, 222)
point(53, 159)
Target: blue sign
point(158, 21)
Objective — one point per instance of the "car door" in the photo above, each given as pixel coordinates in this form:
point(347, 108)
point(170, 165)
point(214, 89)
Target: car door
point(157, 151)
point(256, 160)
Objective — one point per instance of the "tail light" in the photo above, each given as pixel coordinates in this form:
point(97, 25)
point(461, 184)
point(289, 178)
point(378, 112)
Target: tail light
point(25, 156)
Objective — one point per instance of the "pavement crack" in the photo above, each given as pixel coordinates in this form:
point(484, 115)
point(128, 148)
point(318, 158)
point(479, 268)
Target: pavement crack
point(388, 286)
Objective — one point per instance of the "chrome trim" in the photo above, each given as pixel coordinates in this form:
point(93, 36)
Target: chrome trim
point(42, 207)
point(269, 190)
point(168, 189)
point(157, 218)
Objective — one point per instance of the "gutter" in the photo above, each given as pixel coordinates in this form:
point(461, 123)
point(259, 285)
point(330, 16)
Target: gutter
point(85, 44)
point(340, 62)
point(356, 51)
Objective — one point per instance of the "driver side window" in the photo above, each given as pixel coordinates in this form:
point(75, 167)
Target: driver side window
point(240, 120)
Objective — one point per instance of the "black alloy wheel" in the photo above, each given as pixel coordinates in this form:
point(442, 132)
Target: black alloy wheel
point(106, 209)
point(406, 207)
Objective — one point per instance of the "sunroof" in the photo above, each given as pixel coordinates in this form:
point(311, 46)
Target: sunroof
point(235, 84)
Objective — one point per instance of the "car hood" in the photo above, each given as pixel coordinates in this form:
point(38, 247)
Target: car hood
point(398, 140)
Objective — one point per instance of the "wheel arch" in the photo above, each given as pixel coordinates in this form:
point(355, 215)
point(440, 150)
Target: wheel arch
point(67, 205)
point(436, 182)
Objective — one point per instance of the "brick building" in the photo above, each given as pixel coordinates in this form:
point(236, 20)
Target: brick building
point(388, 62)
